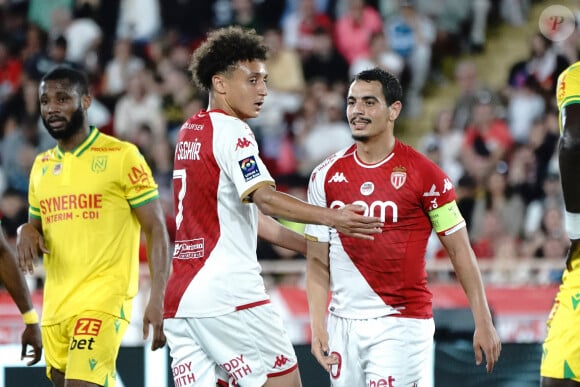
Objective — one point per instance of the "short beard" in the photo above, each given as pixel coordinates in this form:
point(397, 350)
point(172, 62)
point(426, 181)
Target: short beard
point(359, 138)
point(72, 127)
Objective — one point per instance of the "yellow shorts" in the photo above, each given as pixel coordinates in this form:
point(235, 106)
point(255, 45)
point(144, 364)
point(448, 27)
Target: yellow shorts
point(85, 347)
point(561, 349)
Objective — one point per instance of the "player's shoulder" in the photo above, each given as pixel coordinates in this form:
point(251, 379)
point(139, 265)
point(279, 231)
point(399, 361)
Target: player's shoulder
point(333, 158)
point(107, 143)
point(47, 155)
point(410, 154)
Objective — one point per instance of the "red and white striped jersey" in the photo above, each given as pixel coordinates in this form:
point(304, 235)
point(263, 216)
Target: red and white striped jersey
point(215, 267)
point(386, 275)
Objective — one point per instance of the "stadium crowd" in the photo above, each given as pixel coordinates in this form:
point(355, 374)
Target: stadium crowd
point(498, 146)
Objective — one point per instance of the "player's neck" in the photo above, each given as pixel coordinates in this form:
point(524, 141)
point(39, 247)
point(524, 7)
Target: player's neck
point(69, 144)
point(374, 150)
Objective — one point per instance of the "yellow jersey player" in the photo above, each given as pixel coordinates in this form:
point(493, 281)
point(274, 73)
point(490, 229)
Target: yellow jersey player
point(561, 351)
point(89, 199)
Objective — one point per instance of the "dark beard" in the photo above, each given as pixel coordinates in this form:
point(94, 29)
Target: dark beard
point(360, 138)
point(72, 127)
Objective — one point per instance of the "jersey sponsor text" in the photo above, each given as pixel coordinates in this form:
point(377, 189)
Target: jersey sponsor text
point(377, 208)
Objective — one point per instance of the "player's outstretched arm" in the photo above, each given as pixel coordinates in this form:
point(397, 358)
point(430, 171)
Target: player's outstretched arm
point(348, 220)
point(485, 338)
point(153, 225)
point(14, 281)
point(317, 287)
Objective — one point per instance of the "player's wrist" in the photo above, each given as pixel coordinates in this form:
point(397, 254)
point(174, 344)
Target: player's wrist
point(30, 317)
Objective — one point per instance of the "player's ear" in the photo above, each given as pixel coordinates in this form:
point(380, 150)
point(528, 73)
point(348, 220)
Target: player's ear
point(395, 110)
point(86, 101)
point(218, 82)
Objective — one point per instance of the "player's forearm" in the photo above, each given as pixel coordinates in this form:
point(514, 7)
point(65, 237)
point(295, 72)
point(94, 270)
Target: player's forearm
point(14, 281)
point(317, 287)
point(569, 159)
point(281, 205)
point(159, 263)
point(470, 279)
point(272, 231)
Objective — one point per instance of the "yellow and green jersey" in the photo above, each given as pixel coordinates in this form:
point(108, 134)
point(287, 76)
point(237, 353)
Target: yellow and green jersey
point(568, 88)
point(84, 199)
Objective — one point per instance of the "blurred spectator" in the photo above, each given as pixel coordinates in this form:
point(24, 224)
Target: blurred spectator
point(10, 77)
point(380, 55)
point(13, 212)
point(487, 139)
point(551, 197)
point(446, 141)
point(466, 191)
point(515, 12)
point(284, 67)
point(158, 153)
point(479, 18)
point(301, 24)
point(325, 62)
point(118, 70)
point(552, 228)
point(470, 84)
point(313, 141)
point(531, 163)
point(35, 43)
point(491, 239)
point(500, 199)
point(22, 106)
point(524, 106)
point(18, 150)
point(544, 64)
point(141, 105)
point(176, 95)
point(139, 21)
point(411, 34)
point(354, 28)
point(245, 14)
point(40, 12)
point(55, 55)
point(285, 88)
point(84, 37)
point(190, 18)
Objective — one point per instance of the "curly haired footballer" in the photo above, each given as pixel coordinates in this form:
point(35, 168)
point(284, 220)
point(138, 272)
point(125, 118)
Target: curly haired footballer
point(221, 52)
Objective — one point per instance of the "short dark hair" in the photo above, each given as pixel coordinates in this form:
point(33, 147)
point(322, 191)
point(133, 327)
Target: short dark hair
point(392, 89)
point(76, 78)
point(221, 52)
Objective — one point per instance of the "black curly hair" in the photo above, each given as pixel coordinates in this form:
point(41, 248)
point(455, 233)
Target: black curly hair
point(221, 52)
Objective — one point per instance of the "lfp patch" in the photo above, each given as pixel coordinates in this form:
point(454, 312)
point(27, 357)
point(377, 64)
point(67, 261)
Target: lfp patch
point(249, 168)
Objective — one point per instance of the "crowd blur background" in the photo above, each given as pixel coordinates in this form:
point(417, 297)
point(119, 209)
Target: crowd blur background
point(498, 144)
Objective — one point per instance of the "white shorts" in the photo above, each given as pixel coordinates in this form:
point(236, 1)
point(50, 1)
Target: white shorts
point(382, 351)
point(246, 347)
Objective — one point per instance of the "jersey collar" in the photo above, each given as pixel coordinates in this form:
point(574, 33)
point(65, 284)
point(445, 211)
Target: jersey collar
point(83, 146)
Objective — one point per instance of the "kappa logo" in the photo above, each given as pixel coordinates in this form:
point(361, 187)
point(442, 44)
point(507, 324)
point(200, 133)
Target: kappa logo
point(243, 143)
point(338, 178)
point(280, 361)
point(447, 185)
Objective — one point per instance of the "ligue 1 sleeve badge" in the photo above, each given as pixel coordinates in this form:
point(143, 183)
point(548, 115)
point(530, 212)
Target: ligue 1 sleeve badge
point(398, 177)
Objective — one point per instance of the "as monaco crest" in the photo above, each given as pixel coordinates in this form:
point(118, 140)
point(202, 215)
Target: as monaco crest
point(398, 177)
